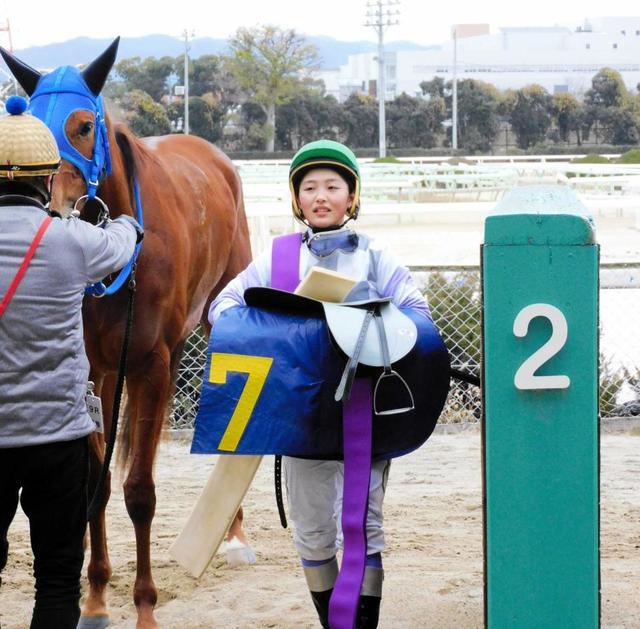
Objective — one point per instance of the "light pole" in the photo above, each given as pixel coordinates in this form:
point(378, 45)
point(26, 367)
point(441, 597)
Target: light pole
point(454, 94)
point(7, 29)
point(381, 13)
point(186, 36)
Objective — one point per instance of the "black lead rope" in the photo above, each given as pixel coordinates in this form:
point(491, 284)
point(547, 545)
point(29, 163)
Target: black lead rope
point(96, 499)
point(465, 376)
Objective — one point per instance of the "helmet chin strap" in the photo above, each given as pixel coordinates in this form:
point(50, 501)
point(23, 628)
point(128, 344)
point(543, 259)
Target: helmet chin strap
point(317, 230)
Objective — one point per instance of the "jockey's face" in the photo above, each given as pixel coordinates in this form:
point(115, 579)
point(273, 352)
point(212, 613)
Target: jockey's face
point(324, 197)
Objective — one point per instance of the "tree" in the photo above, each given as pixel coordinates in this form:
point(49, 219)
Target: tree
point(528, 111)
point(207, 75)
point(433, 88)
point(414, 121)
point(478, 118)
point(269, 64)
point(360, 121)
point(309, 115)
point(568, 115)
point(252, 122)
point(206, 116)
point(607, 90)
point(149, 75)
point(144, 116)
point(610, 104)
point(620, 125)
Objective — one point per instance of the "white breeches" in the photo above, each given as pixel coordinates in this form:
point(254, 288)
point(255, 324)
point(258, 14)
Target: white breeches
point(314, 490)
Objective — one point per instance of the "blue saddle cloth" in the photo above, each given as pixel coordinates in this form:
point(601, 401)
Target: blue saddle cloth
point(270, 380)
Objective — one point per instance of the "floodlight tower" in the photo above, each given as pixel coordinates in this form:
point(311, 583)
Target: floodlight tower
point(454, 93)
point(186, 34)
point(7, 29)
point(380, 14)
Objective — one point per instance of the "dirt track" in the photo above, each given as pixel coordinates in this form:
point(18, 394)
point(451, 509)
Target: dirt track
point(433, 561)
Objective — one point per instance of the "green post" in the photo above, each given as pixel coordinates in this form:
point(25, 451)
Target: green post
point(541, 427)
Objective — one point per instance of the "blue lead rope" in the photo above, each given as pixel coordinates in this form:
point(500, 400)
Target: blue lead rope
point(99, 289)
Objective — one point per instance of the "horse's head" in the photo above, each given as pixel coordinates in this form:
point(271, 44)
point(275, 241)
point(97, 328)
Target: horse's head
point(68, 101)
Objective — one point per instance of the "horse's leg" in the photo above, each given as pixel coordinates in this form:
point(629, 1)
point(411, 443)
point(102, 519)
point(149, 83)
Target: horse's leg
point(149, 389)
point(235, 530)
point(99, 568)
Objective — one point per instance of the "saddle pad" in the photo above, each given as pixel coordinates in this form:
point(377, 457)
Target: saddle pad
point(270, 380)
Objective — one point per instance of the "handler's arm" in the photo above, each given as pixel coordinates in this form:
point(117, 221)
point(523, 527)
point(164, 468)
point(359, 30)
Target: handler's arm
point(105, 250)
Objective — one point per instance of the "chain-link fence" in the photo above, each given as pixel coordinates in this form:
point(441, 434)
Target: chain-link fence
point(454, 297)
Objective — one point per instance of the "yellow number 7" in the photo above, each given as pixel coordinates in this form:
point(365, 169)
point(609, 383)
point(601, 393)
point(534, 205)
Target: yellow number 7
point(257, 367)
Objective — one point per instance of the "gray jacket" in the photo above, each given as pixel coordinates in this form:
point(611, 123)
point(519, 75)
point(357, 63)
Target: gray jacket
point(43, 364)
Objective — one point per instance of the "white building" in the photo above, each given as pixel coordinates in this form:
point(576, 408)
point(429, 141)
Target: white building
point(558, 58)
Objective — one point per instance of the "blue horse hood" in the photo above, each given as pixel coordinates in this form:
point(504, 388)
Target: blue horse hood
point(57, 96)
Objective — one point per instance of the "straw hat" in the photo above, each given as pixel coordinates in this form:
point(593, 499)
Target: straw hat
point(27, 147)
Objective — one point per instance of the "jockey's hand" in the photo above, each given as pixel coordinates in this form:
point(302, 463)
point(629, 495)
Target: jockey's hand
point(134, 223)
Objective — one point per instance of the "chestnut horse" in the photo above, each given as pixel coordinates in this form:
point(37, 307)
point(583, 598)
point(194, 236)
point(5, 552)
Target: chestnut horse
point(196, 240)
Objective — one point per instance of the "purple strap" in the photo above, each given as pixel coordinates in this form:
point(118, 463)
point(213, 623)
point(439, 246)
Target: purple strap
point(356, 428)
point(285, 262)
point(357, 413)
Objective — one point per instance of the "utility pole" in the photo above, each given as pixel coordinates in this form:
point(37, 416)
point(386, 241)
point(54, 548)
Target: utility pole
point(186, 36)
point(381, 13)
point(7, 29)
point(454, 94)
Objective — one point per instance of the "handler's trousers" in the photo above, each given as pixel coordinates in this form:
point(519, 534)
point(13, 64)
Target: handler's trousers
point(53, 479)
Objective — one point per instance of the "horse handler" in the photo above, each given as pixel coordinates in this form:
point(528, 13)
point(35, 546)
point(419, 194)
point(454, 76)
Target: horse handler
point(324, 180)
point(45, 264)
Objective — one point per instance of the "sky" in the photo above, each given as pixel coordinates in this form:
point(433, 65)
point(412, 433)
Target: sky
point(38, 22)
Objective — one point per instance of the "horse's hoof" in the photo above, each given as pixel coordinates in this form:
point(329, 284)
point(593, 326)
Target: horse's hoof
point(239, 554)
point(93, 622)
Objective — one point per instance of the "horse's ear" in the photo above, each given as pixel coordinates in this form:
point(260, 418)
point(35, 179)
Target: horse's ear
point(95, 74)
point(25, 74)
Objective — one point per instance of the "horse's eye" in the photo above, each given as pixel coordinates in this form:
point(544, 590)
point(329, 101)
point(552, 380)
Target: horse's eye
point(86, 129)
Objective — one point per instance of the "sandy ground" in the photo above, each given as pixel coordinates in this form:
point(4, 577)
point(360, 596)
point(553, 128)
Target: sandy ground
point(433, 559)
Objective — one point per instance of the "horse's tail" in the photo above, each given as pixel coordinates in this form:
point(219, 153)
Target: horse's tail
point(124, 439)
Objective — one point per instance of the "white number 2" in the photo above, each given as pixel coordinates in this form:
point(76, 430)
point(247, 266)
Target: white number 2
point(525, 377)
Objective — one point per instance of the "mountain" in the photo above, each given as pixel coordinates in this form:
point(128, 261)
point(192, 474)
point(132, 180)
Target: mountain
point(333, 53)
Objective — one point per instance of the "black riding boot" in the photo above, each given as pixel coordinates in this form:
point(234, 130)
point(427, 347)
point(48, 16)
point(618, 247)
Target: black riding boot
point(368, 612)
point(321, 601)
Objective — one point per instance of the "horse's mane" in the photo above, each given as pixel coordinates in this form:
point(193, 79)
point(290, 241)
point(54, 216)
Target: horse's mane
point(133, 151)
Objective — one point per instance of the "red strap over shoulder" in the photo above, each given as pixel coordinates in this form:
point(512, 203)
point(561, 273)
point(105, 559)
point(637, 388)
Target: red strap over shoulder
point(25, 263)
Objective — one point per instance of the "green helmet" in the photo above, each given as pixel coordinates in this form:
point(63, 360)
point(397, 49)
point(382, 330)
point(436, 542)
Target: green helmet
point(329, 154)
